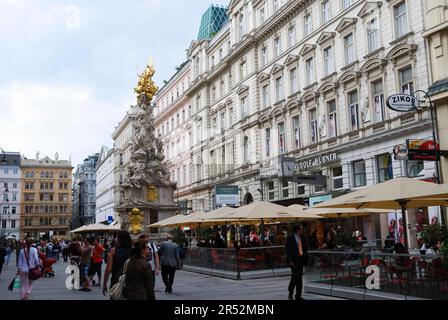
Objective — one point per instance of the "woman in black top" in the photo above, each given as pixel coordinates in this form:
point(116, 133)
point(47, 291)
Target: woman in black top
point(116, 259)
point(139, 282)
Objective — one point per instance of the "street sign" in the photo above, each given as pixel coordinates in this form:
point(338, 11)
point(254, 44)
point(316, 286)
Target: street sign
point(228, 195)
point(402, 102)
point(401, 152)
point(110, 219)
point(315, 180)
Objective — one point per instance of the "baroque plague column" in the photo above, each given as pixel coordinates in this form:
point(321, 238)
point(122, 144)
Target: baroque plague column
point(146, 192)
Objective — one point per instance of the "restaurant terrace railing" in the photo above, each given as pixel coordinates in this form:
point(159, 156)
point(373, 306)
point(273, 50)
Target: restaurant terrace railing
point(407, 275)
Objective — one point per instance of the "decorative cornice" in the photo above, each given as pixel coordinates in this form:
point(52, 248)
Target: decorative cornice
point(290, 59)
point(373, 64)
point(242, 88)
point(263, 77)
point(276, 69)
point(307, 48)
point(369, 7)
point(324, 37)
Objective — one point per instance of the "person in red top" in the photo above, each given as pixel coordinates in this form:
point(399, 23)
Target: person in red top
point(97, 262)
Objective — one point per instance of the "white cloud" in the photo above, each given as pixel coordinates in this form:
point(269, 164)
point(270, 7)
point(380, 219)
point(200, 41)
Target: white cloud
point(55, 118)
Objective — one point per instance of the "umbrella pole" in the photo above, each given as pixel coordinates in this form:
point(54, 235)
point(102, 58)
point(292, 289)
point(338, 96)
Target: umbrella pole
point(403, 216)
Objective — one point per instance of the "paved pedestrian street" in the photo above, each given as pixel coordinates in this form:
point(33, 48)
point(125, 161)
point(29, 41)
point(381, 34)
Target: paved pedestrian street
point(187, 286)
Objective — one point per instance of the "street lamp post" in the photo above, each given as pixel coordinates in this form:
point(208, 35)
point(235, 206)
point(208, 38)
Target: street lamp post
point(433, 111)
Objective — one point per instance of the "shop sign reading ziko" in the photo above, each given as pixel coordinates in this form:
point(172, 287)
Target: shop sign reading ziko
point(318, 161)
point(402, 102)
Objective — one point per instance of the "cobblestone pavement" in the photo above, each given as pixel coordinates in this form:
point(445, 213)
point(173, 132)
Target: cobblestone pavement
point(187, 286)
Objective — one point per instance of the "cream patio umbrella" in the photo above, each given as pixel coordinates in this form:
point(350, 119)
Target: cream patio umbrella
point(168, 221)
point(344, 212)
point(79, 230)
point(399, 193)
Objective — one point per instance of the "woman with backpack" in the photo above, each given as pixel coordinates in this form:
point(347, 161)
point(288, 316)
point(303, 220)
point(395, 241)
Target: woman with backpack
point(116, 259)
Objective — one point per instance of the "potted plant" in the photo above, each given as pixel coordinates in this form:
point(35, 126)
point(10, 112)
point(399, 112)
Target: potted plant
point(433, 233)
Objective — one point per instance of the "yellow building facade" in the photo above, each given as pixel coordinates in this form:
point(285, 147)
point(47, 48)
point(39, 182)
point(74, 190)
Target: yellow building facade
point(46, 199)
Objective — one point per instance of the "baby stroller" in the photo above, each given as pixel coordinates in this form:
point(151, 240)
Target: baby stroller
point(47, 265)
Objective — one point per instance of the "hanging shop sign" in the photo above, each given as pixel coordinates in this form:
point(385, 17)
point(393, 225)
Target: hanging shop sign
point(402, 102)
point(228, 195)
point(401, 152)
point(419, 149)
point(316, 162)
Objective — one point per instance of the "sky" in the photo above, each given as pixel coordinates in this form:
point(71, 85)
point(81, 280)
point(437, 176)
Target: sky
point(68, 68)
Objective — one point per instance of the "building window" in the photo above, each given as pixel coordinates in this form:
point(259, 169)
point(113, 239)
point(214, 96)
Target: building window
point(415, 168)
point(281, 138)
point(406, 83)
point(265, 96)
point(378, 101)
point(338, 181)
point(268, 142)
point(296, 128)
point(291, 36)
point(277, 47)
point(197, 66)
point(313, 125)
point(346, 4)
point(279, 88)
point(285, 188)
point(400, 17)
point(309, 65)
point(307, 25)
point(243, 108)
point(274, 5)
point(271, 190)
point(262, 16)
point(332, 121)
point(264, 56)
point(212, 63)
point(384, 163)
point(246, 150)
point(4, 224)
point(221, 88)
point(241, 27)
point(328, 60)
point(213, 94)
point(243, 70)
point(359, 173)
point(349, 49)
point(14, 197)
point(301, 190)
point(325, 11)
point(373, 34)
point(293, 80)
point(318, 188)
point(223, 120)
point(353, 110)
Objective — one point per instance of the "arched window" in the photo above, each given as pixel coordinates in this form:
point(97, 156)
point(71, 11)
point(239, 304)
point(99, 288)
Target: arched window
point(241, 28)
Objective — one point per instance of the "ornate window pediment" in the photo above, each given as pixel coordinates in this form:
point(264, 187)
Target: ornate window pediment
point(290, 59)
point(324, 37)
point(276, 68)
point(290, 104)
point(264, 118)
point(349, 76)
point(229, 101)
point(307, 48)
point(345, 23)
point(277, 111)
point(197, 118)
point(326, 87)
point(242, 89)
point(221, 106)
point(373, 64)
point(368, 8)
point(400, 50)
point(263, 77)
point(309, 96)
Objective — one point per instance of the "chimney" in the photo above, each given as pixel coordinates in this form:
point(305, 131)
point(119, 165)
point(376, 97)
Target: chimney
point(37, 155)
point(56, 156)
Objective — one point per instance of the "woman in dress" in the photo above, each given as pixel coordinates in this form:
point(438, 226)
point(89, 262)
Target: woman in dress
point(28, 258)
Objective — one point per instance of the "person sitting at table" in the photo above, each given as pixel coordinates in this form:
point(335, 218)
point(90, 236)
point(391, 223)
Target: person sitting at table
point(400, 261)
point(389, 244)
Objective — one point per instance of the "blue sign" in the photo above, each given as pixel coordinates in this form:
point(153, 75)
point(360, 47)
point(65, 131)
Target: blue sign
point(319, 199)
point(110, 219)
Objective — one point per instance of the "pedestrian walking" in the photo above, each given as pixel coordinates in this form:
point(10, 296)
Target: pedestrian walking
point(85, 264)
point(116, 259)
point(169, 259)
point(152, 258)
point(297, 257)
point(2, 256)
point(97, 262)
point(139, 284)
point(28, 259)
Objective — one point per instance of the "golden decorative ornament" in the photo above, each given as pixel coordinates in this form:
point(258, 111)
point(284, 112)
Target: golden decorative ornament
point(152, 195)
point(135, 218)
point(146, 88)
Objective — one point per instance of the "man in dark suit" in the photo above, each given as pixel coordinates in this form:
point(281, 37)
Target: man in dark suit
point(297, 255)
point(170, 260)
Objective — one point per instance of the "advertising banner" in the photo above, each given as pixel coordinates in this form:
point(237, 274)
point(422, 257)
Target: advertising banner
point(227, 195)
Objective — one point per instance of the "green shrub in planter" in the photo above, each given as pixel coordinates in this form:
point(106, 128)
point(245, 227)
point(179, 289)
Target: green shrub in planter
point(431, 234)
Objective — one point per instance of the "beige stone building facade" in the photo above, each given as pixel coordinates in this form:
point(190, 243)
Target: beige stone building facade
point(46, 199)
